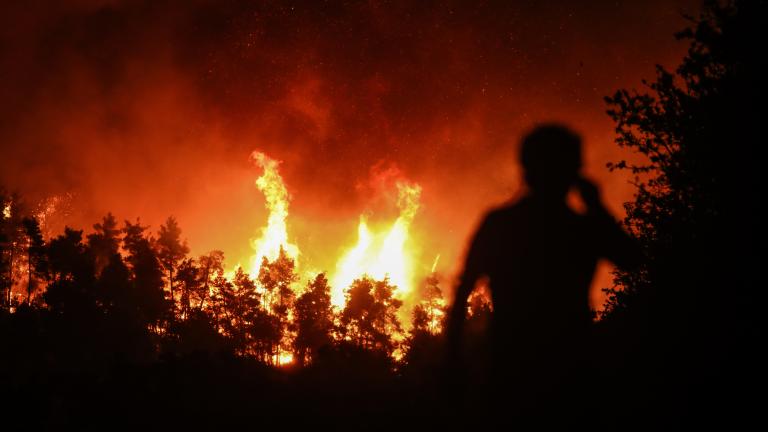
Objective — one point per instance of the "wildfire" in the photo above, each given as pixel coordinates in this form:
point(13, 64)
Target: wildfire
point(275, 234)
point(283, 359)
point(382, 254)
point(434, 264)
point(48, 209)
point(377, 253)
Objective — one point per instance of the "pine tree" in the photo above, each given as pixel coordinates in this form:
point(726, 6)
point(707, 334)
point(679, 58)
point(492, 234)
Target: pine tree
point(171, 250)
point(37, 263)
point(147, 295)
point(105, 241)
point(369, 318)
point(313, 314)
point(276, 279)
point(190, 282)
point(211, 266)
point(12, 242)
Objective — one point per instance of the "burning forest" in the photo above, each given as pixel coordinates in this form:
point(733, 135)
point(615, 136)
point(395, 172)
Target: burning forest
point(380, 214)
point(276, 308)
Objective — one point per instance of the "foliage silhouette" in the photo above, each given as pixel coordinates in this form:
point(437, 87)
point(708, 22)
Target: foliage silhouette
point(369, 319)
point(105, 241)
point(314, 320)
point(276, 277)
point(696, 216)
point(12, 241)
point(171, 250)
point(150, 303)
point(37, 264)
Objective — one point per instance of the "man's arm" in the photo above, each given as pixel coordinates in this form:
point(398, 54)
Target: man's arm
point(615, 244)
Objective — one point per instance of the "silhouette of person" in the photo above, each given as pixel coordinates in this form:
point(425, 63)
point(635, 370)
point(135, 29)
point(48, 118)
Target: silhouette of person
point(539, 257)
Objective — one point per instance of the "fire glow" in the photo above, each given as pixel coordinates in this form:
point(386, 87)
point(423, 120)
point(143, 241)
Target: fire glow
point(275, 234)
point(378, 253)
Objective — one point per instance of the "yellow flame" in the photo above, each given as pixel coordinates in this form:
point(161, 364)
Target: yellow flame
point(283, 358)
point(348, 267)
point(275, 234)
point(47, 209)
point(434, 264)
point(436, 314)
point(381, 255)
point(7, 211)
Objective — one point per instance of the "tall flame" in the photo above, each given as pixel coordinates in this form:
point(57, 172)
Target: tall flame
point(275, 234)
point(378, 254)
point(381, 255)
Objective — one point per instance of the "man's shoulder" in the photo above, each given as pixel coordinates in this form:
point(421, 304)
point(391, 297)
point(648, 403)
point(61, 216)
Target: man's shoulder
point(508, 209)
point(505, 212)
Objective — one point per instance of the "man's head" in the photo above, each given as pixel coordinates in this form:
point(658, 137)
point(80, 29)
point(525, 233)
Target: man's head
point(551, 158)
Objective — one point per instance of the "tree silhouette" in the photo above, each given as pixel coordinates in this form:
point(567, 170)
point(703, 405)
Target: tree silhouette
point(191, 283)
point(240, 315)
point(196, 334)
point(171, 249)
point(264, 332)
point(424, 345)
point(245, 300)
point(429, 314)
point(147, 276)
point(37, 263)
point(220, 300)
point(693, 195)
point(314, 319)
point(369, 318)
point(114, 290)
point(72, 281)
point(211, 266)
point(107, 321)
point(12, 239)
point(695, 211)
point(276, 278)
point(104, 242)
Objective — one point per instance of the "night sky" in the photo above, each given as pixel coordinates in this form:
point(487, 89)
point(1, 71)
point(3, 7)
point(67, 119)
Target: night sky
point(151, 108)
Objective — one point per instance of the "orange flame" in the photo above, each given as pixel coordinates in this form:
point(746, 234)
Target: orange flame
point(382, 254)
point(284, 358)
point(379, 254)
point(275, 233)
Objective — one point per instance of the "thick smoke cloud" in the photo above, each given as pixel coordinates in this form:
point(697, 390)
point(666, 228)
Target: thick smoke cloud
point(151, 108)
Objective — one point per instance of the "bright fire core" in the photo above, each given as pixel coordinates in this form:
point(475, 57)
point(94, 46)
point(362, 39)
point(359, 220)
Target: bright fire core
point(275, 234)
point(379, 254)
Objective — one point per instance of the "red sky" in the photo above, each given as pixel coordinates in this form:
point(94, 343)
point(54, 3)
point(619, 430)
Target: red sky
point(151, 108)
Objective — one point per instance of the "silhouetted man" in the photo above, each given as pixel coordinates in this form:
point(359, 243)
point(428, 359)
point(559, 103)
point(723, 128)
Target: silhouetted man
point(539, 257)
